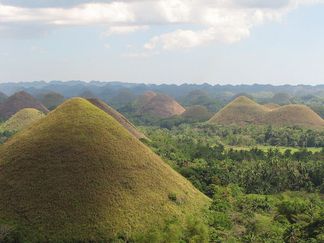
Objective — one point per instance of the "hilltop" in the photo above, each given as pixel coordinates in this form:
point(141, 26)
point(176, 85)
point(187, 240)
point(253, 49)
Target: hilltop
point(119, 117)
point(243, 111)
point(240, 111)
point(19, 101)
point(22, 119)
point(77, 175)
point(159, 105)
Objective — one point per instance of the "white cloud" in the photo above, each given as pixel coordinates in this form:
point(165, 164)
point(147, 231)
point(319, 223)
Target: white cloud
point(120, 30)
point(201, 21)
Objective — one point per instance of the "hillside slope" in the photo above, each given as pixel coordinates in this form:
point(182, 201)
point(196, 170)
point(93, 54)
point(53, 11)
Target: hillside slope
point(22, 119)
point(19, 101)
point(78, 176)
point(119, 117)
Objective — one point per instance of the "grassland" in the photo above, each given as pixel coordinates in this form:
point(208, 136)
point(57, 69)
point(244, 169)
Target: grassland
point(78, 176)
point(267, 148)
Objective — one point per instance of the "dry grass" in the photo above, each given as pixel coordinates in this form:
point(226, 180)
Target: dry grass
point(78, 175)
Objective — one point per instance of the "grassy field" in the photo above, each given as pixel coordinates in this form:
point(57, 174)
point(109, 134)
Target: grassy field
point(280, 148)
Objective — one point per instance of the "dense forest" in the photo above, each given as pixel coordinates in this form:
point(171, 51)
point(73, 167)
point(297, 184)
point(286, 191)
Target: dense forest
point(266, 183)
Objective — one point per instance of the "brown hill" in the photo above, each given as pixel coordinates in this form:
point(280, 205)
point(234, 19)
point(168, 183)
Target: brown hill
point(243, 111)
point(77, 175)
point(299, 115)
point(119, 117)
point(159, 105)
point(145, 98)
point(19, 101)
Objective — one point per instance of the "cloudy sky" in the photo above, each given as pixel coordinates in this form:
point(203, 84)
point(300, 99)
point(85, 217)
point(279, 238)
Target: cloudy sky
point(169, 41)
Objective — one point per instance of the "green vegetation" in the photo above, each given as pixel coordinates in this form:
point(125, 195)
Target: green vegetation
point(78, 176)
point(261, 193)
point(286, 217)
point(257, 171)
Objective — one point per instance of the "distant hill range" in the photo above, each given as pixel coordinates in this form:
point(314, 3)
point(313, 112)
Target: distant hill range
point(244, 111)
point(77, 175)
point(19, 101)
point(109, 89)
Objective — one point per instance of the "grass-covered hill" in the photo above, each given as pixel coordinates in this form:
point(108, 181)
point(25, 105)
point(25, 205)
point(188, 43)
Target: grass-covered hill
point(19, 101)
point(197, 112)
point(119, 117)
point(77, 175)
point(240, 111)
point(51, 100)
point(244, 111)
point(299, 115)
point(159, 105)
point(22, 119)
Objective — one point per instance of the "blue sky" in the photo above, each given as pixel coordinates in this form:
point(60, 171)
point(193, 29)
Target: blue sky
point(163, 41)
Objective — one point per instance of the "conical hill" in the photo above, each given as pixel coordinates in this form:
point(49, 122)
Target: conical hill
point(22, 119)
point(243, 111)
point(77, 175)
point(240, 111)
point(18, 101)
